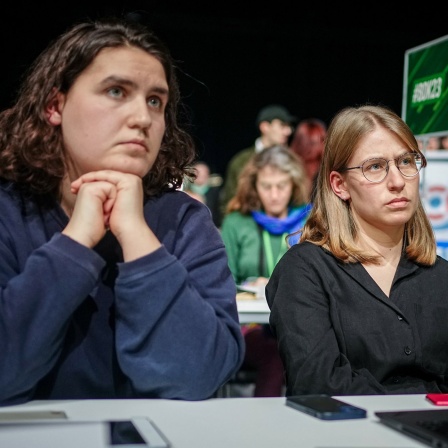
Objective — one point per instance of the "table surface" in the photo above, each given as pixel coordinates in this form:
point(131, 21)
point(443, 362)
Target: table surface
point(253, 311)
point(232, 422)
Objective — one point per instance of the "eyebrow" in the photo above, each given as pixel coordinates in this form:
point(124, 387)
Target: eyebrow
point(269, 183)
point(385, 158)
point(127, 82)
point(400, 155)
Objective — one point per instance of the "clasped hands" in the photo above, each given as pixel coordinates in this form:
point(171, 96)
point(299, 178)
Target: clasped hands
point(111, 200)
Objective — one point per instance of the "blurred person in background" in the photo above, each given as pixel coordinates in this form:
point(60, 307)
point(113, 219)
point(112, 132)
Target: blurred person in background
point(444, 142)
point(275, 126)
point(308, 143)
point(206, 188)
point(269, 205)
point(433, 144)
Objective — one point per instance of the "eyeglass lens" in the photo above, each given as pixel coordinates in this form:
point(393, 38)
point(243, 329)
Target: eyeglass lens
point(375, 170)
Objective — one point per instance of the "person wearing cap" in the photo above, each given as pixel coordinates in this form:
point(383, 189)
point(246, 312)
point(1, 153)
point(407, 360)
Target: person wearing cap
point(275, 124)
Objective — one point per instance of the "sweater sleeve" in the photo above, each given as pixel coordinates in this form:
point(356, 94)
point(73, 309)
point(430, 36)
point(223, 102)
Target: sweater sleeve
point(302, 318)
point(178, 334)
point(35, 307)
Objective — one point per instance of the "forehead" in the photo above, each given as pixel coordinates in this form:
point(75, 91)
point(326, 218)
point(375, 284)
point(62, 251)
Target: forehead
point(379, 143)
point(126, 62)
point(201, 168)
point(277, 123)
point(270, 174)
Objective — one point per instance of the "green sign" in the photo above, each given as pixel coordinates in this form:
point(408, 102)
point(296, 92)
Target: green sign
point(425, 88)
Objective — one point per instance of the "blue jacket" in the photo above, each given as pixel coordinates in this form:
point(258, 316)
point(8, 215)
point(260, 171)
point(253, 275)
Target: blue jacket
point(81, 323)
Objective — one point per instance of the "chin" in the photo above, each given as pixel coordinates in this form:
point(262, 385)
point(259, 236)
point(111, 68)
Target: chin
point(275, 214)
point(398, 221)
point(140, 171)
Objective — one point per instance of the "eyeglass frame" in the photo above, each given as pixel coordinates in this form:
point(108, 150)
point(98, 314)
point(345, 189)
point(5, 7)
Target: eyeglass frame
point(414, 153)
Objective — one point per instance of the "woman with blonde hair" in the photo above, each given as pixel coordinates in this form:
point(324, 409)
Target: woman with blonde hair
point(360, 306)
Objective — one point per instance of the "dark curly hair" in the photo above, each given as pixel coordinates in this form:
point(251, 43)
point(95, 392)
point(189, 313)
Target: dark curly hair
point(32, 153)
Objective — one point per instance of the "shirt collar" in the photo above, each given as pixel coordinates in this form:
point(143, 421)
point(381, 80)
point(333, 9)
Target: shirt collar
point(259, 145)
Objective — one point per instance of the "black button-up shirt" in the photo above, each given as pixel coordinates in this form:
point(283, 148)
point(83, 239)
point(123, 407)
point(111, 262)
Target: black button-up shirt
point(338, 333)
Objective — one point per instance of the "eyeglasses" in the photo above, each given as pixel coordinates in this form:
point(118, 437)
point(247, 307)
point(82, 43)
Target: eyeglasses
point(375, 170)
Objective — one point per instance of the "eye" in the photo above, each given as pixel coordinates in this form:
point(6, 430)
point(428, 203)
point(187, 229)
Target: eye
point(155, 102)
point(407, 160)
point(116, 92)
point(263, 186)
point(375, 165)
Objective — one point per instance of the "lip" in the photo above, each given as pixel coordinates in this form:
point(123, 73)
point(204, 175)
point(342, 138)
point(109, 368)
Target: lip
point(136, 143)
point(397, 202)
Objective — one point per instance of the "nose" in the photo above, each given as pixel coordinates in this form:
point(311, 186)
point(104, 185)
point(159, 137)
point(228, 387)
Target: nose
point(139, 115)
point(394, 176)
point(274, 192)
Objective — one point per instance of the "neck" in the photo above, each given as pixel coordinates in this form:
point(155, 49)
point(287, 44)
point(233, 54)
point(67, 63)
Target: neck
point(68, 199)
point(389, 247)
point(280, 215)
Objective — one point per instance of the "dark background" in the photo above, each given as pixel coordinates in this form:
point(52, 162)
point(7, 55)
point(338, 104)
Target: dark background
point(235, 58)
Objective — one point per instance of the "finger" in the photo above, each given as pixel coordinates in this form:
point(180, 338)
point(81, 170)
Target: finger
point(111, 176)
point(109, 204)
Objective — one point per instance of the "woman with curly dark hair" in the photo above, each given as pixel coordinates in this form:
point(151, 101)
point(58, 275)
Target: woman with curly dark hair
point(112, 282)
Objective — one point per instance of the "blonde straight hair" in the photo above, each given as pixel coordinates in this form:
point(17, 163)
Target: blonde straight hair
point(330, 223)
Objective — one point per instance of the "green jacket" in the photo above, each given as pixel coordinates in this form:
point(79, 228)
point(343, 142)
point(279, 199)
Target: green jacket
point(244, 245)
point(234, 168)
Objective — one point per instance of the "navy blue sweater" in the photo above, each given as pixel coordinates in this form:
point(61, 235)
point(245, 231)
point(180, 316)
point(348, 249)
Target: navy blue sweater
point(81, 323)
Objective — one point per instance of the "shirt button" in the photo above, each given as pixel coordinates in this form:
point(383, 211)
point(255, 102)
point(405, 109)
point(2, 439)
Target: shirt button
point(407, 350)
point(399, 317)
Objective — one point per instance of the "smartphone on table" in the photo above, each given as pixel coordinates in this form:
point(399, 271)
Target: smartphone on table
point(325, 407)
point(438, 399)
point(33, 429)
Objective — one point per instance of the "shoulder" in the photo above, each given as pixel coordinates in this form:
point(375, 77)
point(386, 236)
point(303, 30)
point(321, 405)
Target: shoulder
point(8, 189)
point(22, 217)
point(241, 155)
point(9, 206)
point(307, 248)
point(442, 261)
point(235, 225)
point(170, 197)
point(236, 216)
point(309, 255)
point(175, 206)
point(12, 201)
point(238, 219)
point(305, 261)
point(441, 264)
point(178, 219)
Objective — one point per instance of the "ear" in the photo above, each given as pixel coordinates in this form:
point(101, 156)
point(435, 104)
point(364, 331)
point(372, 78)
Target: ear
point(339, 186)
point(54, 108)
point(264, 127)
